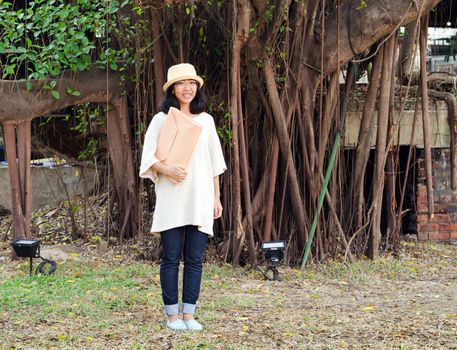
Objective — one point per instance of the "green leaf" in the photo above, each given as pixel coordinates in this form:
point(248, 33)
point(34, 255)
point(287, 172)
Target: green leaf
point(73, 92)
point(141, 128)
point(362, 5)
point(113, 8)
point(11, 69)
point(55, 94)
point(138, 10)
point(28, 85)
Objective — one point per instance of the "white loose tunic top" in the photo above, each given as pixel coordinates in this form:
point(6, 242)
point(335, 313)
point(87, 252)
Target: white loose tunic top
point(190, 202)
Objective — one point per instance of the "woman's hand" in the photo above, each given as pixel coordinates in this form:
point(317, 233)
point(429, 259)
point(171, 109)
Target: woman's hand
point(217, 208)
point(175, 173)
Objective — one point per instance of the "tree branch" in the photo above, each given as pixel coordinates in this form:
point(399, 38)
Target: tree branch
point(359, 29)
point(18, 103)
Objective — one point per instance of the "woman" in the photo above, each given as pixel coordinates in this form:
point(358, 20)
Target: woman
point(187, 200)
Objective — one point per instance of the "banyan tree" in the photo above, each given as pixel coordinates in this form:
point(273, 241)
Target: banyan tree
point(279, 76)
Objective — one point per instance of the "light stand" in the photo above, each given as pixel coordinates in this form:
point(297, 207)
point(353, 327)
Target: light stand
point(30, 248)
point(274, 253)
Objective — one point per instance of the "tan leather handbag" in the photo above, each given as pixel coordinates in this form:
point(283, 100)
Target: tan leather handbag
point(177, 139)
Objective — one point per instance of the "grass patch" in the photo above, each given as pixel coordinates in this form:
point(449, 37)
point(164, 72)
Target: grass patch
point(100, 304)
point(80, 287)
point(91, 304)
point(362, 271)
point(93, 296)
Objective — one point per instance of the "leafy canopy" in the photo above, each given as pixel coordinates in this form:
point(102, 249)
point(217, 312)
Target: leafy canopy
point(49, 36)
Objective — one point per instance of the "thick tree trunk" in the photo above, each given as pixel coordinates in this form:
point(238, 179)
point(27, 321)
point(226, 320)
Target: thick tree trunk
point(271, 191)
point(23, 133)
point(19, 223)
point(363, 144)
point(380, 156)
point(390, 202)
point(159, 65)
point(118, 131)
point(240, 35)
point(17, 137)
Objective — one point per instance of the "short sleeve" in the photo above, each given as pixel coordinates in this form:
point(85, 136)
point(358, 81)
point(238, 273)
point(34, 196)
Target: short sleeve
point(217, 157)
point(148, 158)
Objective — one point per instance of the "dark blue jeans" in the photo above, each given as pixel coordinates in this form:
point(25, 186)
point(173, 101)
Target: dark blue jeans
point(181, 241)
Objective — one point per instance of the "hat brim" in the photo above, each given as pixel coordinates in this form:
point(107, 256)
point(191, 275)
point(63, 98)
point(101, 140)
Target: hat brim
point(189, 77)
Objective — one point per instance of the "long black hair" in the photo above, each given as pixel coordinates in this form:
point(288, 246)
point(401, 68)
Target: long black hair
point(197, 106)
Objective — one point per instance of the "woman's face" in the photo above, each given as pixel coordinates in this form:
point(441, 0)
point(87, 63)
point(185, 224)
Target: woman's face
point(185, 91)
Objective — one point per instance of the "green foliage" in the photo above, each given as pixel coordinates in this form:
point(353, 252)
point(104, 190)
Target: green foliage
point(189, 9)
point(85, 121)
point(362, 5)
point(74, 207)
point(73, 92)
point(269, 12)
point(224, 129)
point(51, 35)
point(266, 18)
point(49, 87)
point(90, 150)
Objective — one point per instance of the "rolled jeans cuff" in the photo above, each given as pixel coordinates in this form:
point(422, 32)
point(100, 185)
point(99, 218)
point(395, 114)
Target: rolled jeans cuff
point(171, 310)
point(188, 308)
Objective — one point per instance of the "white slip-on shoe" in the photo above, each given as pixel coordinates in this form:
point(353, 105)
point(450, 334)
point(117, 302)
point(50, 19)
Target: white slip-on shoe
point(176, 325)
point(193, 325)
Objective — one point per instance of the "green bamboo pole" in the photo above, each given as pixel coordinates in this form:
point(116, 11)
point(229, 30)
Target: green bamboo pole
point(321, 199)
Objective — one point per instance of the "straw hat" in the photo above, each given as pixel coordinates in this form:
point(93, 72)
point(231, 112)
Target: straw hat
point(182, 71)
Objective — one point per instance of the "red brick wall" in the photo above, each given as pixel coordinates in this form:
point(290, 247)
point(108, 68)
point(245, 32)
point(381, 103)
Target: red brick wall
point(443, 226)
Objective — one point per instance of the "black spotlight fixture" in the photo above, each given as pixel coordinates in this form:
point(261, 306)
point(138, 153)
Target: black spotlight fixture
point(30, 248)
point(274, 253)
